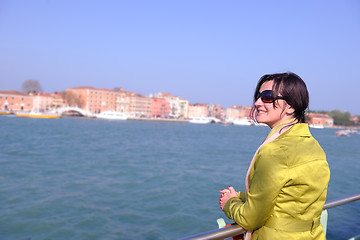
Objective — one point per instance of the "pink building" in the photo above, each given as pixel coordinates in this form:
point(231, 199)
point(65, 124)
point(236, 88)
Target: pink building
point(237, 112)
point(198, 110)
point(15, 101)
point(159, 107)
point(178, 106)
point(123, 101)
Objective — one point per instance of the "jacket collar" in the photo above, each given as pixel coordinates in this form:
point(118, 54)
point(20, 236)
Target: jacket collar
point(298, 130)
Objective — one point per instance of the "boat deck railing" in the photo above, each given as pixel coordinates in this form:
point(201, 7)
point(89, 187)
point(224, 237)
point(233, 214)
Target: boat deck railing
point(234, 229)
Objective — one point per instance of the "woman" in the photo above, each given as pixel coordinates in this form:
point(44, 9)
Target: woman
point(286, 183)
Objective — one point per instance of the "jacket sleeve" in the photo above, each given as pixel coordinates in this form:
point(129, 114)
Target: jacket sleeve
point(268, 176)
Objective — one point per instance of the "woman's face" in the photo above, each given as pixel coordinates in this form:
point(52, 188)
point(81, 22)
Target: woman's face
point(266, 113)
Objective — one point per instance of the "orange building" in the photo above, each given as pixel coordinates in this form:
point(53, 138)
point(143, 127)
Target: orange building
point(321, 119)
point(159, 107)
point(92, 99)
point(15, 101)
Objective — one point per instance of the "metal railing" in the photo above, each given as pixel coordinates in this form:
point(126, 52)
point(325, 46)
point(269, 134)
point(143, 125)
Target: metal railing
point(235, 229)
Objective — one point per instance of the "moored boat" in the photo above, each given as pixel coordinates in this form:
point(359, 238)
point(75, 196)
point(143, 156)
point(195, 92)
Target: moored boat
point(243, 122)
point(5, 113)
point(316, 126)
point(35, 114)
point(200, 120)
point(113, 115)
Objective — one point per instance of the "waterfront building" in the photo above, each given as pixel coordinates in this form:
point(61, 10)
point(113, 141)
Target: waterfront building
point(355, 119)
point(58, 99)
point(139, 105)
point(122, 101)
point(198, 110)
point(159, 107)
point(178, 106)
point(15, 101)
point(183, 108)
point(217, 111)
point(234, 113)
point(94, 100)
point(43, 102)
point(321, 119)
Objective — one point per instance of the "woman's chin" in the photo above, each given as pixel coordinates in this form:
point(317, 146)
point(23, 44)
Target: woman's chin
point(259, 119)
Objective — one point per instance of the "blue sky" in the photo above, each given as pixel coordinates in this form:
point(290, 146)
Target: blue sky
point(202, 50)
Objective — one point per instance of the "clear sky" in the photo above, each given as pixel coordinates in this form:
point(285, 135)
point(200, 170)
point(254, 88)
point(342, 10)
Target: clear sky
point(204, 51)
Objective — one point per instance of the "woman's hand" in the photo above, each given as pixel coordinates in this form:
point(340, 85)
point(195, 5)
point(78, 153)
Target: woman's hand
point(225, 195)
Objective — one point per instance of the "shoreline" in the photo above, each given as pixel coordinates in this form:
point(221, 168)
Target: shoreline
point(186, 120)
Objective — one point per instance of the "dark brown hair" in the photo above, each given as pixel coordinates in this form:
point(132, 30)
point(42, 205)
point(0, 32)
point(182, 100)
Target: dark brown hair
point(291, 87)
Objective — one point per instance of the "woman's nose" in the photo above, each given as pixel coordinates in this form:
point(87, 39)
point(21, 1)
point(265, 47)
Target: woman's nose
point(258, 102)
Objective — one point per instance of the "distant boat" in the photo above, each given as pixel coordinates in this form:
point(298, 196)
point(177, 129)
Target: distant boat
point(342, 133)
point(316, 125)
point(36, 114)
point(243, 122)
point(345, 133)
point(4, 113)
point(113, 115)
point(353, 131)
point(261, 124)
point(200, 120)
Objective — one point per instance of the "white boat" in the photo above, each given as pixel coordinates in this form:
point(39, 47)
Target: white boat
point(5, 112)
point(342, 133)
point(243, 122)
point(112, 115)
point(200, 120)
point(36, 114)
point(316, 126)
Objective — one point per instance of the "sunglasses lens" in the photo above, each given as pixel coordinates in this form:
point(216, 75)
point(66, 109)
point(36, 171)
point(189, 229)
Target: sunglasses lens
point(266, 96)
point(267, 99)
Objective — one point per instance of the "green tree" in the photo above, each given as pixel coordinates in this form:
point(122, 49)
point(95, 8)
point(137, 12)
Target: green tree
point(341, 118)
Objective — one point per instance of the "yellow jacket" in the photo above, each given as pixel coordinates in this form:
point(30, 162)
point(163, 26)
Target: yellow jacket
point(288, 187)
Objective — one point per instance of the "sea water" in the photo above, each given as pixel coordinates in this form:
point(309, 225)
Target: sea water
point(79, 178)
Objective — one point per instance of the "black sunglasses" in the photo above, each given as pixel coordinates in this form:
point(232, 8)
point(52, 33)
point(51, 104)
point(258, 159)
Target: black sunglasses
point(267, 96)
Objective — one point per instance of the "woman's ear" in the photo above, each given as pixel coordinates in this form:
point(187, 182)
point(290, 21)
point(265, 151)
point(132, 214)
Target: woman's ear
point(290, 110)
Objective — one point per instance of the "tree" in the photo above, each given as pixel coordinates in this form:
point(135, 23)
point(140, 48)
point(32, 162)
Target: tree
point(73, 100)
point(31, 86)
point(341, 118)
